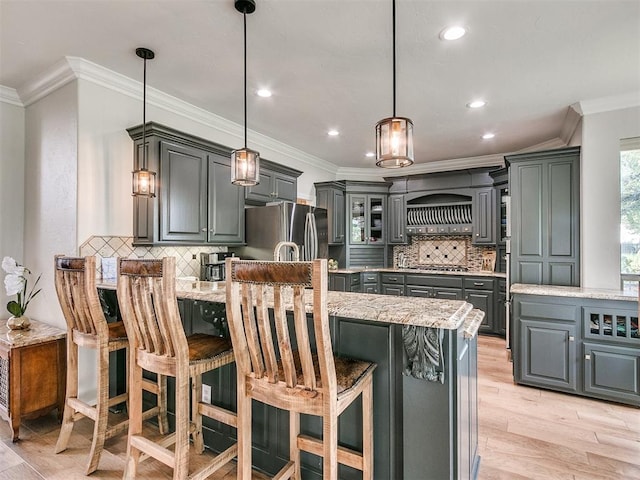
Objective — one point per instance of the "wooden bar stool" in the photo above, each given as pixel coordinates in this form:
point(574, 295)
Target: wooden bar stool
point(301, 381)
point(149, 308)
point(75, 281)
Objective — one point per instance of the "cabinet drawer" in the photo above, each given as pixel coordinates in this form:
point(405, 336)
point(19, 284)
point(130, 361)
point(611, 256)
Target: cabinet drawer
point(546, 311)
point(355, 280)
point(479, 283)
point(369, 277)
point(434, 280)
point(392, 278)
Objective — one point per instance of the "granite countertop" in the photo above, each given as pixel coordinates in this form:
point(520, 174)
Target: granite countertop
point(425, 312)
point(478, 273)
point(578, 292)
point(38, 332)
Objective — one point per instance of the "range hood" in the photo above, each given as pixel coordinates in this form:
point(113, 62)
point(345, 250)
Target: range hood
point(442, 214)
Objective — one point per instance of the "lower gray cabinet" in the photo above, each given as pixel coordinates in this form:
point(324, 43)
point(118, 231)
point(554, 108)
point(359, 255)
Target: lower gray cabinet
point(612, 372)
point(479, 291)
point(344, 282)
point(598, 356)
point(548, 356)
point(369, 282)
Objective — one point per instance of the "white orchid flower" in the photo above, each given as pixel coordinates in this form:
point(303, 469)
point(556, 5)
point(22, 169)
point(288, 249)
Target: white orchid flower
point(14, 284)
point(10, 266)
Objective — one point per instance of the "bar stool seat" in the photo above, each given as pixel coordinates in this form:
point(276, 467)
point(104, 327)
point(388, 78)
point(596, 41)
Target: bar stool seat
point(87, 328)
point(147, 299)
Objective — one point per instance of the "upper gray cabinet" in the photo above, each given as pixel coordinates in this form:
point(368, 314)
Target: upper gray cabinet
point(484, 216)
point(545, 202)
point(397, 218)
point(195, 202)
point(330, 195)
point(277, 183)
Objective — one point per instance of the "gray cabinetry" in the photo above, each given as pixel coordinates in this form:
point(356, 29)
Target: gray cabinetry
point(397, 219)
point(484, 216)
point(392, 284)
point(545, 201)
point(344, 282)
point(277, 182)
point(226, 204)
point(183, 193)
point(369, 282)
point(330, 195)
point(433, 286)
point(195, 203)
point(479, 291)
point(598, 356)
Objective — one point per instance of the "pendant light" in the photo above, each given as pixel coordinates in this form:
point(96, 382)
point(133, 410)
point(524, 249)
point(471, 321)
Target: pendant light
point(245, 163)
point(394, 135)
point(144, 181)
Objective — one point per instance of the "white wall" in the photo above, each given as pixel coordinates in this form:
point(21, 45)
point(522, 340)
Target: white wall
point(600, 194)
point(50, 192)
point(11, 189)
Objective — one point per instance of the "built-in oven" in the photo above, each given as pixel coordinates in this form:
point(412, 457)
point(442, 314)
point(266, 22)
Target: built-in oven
point(212, 266)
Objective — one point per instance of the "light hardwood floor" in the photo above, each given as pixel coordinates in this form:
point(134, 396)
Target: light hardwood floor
point(525, 433)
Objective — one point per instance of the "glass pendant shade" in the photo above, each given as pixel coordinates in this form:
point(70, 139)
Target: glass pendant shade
point(245, 167)
point(394, 142)
point(144, 183)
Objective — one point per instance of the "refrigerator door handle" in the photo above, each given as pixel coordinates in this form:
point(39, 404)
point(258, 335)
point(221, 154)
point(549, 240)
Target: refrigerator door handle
point(310, 249)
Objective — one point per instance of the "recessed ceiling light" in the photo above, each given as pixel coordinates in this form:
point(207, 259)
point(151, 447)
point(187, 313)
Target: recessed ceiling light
point(369, 154)
point(453, 33)
point(488, 136)
point(333, 133)
point(476, 104)
point(263, 92)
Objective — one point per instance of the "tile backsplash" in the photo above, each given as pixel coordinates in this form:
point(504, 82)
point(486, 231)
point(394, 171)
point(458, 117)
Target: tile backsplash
point(106, 247)
point(442, 250)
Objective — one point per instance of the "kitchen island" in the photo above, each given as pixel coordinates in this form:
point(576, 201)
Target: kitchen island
point(425, 394)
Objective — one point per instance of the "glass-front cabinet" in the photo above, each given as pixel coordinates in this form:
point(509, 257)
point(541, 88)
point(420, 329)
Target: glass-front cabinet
point(367, 217)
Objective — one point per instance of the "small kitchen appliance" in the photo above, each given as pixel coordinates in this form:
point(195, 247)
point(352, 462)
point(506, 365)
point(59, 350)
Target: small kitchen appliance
point(212, 266)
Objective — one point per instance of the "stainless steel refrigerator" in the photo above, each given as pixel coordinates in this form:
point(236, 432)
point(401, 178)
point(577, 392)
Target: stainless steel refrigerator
point(304, 225)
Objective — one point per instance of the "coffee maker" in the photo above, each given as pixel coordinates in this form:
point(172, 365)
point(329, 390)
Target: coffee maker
point(212, 266)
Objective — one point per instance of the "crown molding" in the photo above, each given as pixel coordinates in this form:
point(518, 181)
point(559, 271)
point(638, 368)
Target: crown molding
point(71, 68)
point(607, 104)
point(10, 96)
point(538, 147)
point(571, 121)
point(496, 160)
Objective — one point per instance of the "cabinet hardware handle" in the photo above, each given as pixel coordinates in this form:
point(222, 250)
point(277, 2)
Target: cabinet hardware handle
point(587, 357)
point(203, 229)
point(478, 284)
point(571, 338)
point(477, 234)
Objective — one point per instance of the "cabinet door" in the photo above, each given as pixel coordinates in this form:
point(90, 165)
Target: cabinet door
point(376, 219)
point(545, 201)
point(226, 204)
point(183, 181)
point(357, 219)
point(337, 220)
point(397, 219)
point(263, 191)
point(370, 288)
point(500, 324)
point(484, 220)
point(284, 187)
point(339, 282)
point(484, 301)
point(612, 372)
point(548, 354)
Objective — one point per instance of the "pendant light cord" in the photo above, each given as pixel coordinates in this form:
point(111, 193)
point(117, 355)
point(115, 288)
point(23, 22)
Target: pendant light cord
point(393, 16)
point(144, 116)
point(244, 15)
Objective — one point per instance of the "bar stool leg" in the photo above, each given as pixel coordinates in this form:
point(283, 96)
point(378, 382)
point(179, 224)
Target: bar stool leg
point(163, 423)
point(244, 432)
point(71, 392)
point(330, 443)
point(183, 425)
point(135, 415)
point(367, 432)
point(196, 417)
point(294, 451)
point(102, 410)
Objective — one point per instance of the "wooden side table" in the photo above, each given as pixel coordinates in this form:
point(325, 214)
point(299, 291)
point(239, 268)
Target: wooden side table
point(33, 370)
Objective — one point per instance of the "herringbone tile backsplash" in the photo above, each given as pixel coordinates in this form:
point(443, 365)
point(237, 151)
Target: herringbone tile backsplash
point(106, 247)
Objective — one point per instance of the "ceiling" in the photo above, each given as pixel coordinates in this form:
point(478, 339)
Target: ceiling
point(328, 63)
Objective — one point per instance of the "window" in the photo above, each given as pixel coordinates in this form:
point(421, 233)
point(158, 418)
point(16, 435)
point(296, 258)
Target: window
point(630, 213)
